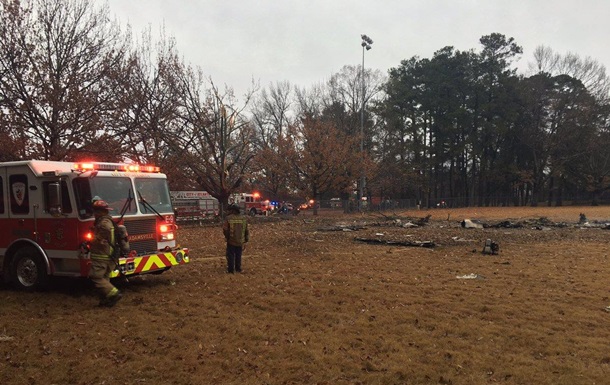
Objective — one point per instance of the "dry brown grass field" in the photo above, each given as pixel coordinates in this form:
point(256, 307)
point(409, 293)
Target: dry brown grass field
point(316, 306)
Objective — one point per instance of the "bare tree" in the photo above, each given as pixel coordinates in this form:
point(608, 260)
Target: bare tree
point(212, 136)
point(56, 57)
point(545, 60)
point(311, 101)
point(147, 99)
point(271, 112)
point(588, 70)
point(354, 89)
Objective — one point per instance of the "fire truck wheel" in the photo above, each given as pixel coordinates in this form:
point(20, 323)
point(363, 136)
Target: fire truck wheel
point(29, 271)
point(253, 212)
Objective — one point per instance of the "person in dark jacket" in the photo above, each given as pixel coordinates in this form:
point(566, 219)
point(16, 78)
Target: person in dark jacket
point(235, 230)
point(102, 250)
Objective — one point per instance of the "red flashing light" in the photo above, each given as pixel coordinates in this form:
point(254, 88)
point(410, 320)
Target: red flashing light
point(256, 195)
point(83, 167)
point(166, 232)
point(150, 169)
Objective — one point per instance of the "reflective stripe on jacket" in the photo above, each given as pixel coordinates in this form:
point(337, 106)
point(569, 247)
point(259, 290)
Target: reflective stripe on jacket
point(235, 229)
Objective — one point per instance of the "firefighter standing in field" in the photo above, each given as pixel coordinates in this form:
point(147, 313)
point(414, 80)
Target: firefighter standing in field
point(235, 230)
point(102, 250)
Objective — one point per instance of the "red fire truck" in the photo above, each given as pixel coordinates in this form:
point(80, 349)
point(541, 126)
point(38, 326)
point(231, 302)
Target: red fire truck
point(194, 205)
point(252, 204)
point(46, 211)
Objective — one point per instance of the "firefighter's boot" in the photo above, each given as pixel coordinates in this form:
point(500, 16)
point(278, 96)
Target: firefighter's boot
point(111, 299)
point(114, 299)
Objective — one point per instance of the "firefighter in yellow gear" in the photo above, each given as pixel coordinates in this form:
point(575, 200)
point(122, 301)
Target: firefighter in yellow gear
point(235, 230)
point(102, 250)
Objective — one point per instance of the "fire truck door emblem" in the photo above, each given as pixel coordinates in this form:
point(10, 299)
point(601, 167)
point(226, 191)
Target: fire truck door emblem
point(19, 192)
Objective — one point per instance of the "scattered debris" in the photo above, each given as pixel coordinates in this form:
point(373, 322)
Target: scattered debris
point(428, 244)
point(5, 338)
point(458, 239)
point(542, 223)
point(470, 224)
point(583, 219)
point(508, 225)
point(470, 276)
point(400, 221)
point(491, 247)
point(423, 221)
point(343, 227)
point(543, 228)
point(394, 222)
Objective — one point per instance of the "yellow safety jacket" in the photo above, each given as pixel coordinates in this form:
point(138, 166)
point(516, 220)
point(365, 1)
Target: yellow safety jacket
point(235, 229)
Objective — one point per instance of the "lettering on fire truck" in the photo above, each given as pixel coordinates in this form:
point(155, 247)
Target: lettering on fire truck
point(48, 207)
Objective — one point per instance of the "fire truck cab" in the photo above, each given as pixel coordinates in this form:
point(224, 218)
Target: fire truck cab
point(47, 212)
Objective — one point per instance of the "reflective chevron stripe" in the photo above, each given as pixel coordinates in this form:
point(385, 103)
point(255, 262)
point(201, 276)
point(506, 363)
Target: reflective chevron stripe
point(149, 263)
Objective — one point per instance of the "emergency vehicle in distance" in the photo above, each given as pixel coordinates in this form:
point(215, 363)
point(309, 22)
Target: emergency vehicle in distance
point(252, 204)
point(194, 205)
point(46, 211)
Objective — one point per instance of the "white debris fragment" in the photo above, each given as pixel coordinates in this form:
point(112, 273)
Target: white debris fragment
point(469, 224)
point(470, 276)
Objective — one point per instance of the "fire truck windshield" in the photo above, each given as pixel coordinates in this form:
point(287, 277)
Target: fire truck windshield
point(154, 195)
point(115, 191)
point(119, 193)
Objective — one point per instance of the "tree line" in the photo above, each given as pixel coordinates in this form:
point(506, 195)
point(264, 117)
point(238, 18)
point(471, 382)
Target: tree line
point(461, 126)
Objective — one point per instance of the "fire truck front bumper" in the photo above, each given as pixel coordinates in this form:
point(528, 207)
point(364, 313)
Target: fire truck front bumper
point(151, 263)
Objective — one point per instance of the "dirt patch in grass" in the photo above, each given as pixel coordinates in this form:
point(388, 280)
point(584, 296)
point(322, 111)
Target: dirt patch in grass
point(316, 306)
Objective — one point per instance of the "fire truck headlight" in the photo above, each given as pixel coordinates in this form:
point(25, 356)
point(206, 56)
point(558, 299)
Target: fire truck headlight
point(167, 237)
point(179, 256)
point(166, 232)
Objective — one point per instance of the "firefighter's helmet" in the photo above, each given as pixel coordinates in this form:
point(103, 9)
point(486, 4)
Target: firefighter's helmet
point(101, 205)
point(234, 208)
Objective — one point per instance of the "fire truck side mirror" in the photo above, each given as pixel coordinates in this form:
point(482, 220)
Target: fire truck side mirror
point(54, 194)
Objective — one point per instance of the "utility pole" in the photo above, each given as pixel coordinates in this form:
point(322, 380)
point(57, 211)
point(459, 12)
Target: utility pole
point(366, 45)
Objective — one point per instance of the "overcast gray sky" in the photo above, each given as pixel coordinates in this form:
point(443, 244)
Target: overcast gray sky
point(304, 42)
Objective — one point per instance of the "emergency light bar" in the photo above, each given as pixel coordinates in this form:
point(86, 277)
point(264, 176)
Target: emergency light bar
point(115, 167)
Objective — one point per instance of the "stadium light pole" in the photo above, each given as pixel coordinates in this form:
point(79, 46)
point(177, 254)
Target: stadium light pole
point(366, 45)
